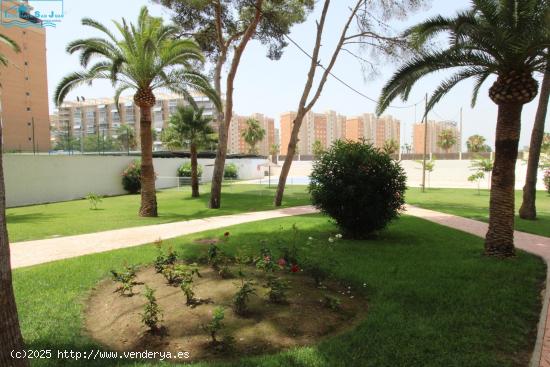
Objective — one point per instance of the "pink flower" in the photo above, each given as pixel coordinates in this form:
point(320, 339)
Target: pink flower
point(281, 262)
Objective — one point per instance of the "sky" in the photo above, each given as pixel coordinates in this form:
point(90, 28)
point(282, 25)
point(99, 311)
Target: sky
point(273, 87)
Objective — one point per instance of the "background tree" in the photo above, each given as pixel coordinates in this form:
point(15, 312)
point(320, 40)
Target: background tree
point(430, 166)
point(10, 332)
point(481, 168)
point(274, 151)
point(253, 134)
point(222, 27)
point(390, 146)
point(317, 148)
point(476, 144)
point(528, 209)
point(446, 139)
point(503, 38)
point(189, 127)
point(126, 137)
point(407, 148)
point(146, 57)
point(370, 17)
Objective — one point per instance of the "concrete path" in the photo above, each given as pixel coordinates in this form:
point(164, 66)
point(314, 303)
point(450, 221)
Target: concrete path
point(537, 245)
point(42, 251)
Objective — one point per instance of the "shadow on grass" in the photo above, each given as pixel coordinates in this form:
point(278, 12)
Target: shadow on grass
point(29, 217)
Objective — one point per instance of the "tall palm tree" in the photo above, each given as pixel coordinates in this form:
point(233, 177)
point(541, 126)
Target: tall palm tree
point(506, 38)
point(188, 126)
point(476, 144)
point(253, 134)
point(147, 56)
point(10, 332)
point(446, 140)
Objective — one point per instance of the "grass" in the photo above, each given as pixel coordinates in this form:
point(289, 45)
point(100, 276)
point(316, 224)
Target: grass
point(434, 300)
point(468, 203)
point(75, 217)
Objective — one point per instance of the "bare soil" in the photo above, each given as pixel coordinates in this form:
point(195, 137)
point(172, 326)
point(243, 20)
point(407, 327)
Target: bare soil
point(114, 320)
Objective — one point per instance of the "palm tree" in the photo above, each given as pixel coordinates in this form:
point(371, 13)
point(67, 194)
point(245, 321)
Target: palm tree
point(476, 144)
point(528, 210)
point(148, 56)
point(506, 38)
point(10, 332)
point(126, 137)
point(188, 126)
point(390, 146)
point(446, 139)
point(274, 151)
point(253, 134)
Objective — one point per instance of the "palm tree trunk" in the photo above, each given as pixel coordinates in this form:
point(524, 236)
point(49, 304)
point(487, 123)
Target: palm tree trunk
point(528, 209)
point(10, 333)
point(499, 240)
point(288, 159)
point(148, 192)
point(194, 174)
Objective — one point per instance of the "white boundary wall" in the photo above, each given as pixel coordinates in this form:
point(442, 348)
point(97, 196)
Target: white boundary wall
point(45, 179)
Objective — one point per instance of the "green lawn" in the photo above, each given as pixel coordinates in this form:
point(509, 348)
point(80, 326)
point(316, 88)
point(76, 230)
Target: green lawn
point(75, 217)
point(434, 300)
point(467, 203)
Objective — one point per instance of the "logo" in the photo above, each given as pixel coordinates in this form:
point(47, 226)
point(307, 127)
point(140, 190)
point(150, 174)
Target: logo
point(31, 13)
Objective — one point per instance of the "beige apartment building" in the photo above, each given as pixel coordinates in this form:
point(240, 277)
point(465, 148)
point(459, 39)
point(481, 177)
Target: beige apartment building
point(236, 143)
point(434, 129)
point(374, 130)
point(323, 127)
point(24, 107)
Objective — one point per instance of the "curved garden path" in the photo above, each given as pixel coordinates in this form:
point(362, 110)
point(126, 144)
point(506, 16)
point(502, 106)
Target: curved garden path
point(41, 251)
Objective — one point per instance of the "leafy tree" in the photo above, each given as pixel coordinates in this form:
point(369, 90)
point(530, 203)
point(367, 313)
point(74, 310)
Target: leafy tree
point(476, 144)
point(528, 209)
point(189, 127)
point(493, 37)
point(126, 137)
point(317, 148)
point(253, 134)
point(390, 146)
point(446, 139)
point(10, 332)
point(371, 19)
point(147, 56)
point(483, 167)
point(430, 166)
point(222, 27)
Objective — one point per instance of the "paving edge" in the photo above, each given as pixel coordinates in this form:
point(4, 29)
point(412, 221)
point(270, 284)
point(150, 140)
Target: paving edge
point(541, 328)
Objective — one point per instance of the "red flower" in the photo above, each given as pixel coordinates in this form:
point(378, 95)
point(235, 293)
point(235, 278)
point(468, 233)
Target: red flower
point(294, 268)
point(226, 234)
point(281, 262)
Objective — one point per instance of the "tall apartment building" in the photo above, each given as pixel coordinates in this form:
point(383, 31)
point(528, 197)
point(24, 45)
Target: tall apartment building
point(100, 117)
point(373, 130)
point(323, 127)
point(434, 129)
point(236, 143)
point(24, 85)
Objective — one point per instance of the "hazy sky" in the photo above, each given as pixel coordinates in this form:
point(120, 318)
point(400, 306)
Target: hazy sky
point(272, 87)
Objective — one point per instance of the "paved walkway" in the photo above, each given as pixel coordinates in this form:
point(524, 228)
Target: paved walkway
point(43, 251)
point(537, 245)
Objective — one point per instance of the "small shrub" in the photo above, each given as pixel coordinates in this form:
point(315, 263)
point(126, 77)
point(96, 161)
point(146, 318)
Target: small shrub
point(547, 180)
point(213, 258)
point(231, 171)
point(240, 301)
point(94, 200)
point(359, 186)
point(152, 313)
point(216, 324)
point(277, 289)
point(185, 170)
point(266, 262)
point(164, 259)
point(187, 288)
point(318, 274)
point(131, 177)
point(126, 279)
point(176, 274)
point(332, 302)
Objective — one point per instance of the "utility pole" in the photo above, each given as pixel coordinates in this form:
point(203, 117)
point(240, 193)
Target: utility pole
point(425, 144)
point(460, 138)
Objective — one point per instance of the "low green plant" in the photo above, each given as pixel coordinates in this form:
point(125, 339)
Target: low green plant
point(277, 289)
point(241, 298)
point(187, 288)
point(265, 261)
point(318, 273)
point(213, 258)
point(131, 177)
point(94, 200)
point(185, 170)
point(126, 278)
point(152, 313)
point(178, 273)
point(231, 171)
point(216, 324)
point(164, 259)
point(332, 302)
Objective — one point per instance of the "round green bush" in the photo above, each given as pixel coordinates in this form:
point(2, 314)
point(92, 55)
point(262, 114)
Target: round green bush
point(231, 171)
point(547, 180)
point(185, 170)
point(360, 187)
point(131, 177)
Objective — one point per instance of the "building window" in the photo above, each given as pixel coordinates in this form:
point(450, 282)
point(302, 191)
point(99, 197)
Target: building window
point(26, 63)
point(28, 108)
point(28, 93)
